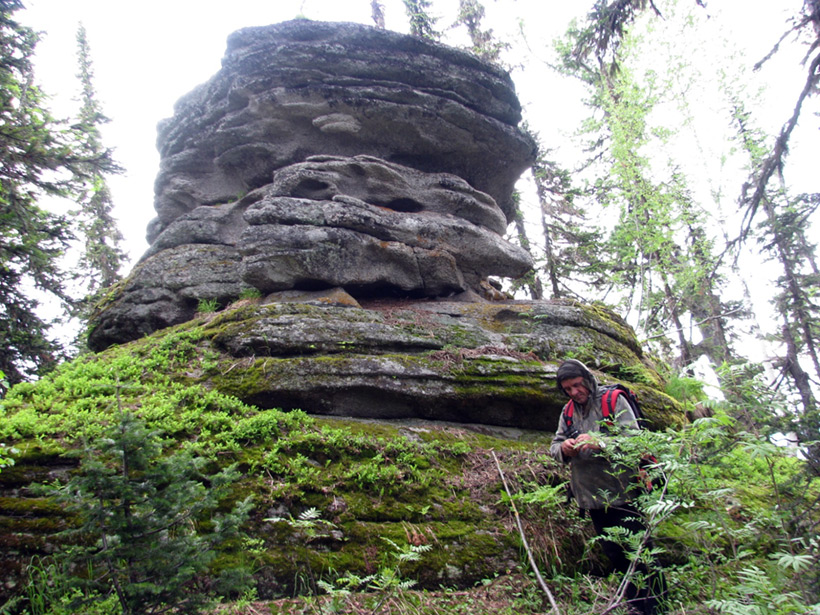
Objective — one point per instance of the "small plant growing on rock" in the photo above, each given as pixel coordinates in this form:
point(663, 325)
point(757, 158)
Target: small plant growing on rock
point(146, 532)
point(207, 306)
point(386, 584)
point(250, 293)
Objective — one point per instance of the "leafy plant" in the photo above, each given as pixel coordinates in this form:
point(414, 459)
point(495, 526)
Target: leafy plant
point(207, 306)
point(308, 525)
point(250, 293)
point(145, 528)
point(386, 583)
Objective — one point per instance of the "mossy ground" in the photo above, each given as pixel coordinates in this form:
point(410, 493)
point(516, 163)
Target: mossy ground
point(374, 484)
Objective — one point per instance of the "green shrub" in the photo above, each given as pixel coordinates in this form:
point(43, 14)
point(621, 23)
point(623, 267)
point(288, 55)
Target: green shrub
point(147, 529)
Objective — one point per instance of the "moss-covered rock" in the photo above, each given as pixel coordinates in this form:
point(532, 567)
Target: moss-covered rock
point(491, 363)
point(380, 419)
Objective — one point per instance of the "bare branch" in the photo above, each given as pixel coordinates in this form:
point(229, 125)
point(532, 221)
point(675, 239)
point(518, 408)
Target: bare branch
point(775, 161)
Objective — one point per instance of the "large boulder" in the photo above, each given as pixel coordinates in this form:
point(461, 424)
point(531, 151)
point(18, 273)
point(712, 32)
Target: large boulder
point(301, 88)
point(328, 156)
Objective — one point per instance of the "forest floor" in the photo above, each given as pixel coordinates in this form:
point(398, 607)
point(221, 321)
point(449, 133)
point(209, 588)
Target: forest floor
point(513, 594)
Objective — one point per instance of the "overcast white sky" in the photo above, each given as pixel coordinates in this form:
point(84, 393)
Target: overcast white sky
point(147, 54)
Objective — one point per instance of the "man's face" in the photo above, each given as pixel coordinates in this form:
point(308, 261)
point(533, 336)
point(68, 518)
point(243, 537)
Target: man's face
point(576, 389)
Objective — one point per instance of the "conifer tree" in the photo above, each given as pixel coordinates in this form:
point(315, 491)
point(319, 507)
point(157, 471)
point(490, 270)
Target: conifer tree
point(422, 24)
point(470, 14)
point(780, 222)
point(141, 513)
point(532, 280)
point(659, 254)
point(39, 158)
point(807, 26)
point(782, 235)
point(102, 256)
point(571, 240)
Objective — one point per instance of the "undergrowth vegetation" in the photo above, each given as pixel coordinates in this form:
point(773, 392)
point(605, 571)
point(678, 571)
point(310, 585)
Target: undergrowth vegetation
point(321, 515)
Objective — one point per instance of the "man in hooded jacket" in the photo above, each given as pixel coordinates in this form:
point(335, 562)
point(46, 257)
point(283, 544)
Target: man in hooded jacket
point(600, 488)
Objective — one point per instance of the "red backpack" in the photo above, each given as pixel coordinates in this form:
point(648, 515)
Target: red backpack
point(608, 402)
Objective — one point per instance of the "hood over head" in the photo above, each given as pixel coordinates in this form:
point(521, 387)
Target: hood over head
point(572, 368)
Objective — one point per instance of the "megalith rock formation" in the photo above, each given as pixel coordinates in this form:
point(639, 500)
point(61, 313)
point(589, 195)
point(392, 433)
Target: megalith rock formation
point(341, 173)
point(341, 194)
point(328, 155)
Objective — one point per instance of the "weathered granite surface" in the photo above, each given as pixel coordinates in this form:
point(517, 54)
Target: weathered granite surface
point(481, 363)
point(301, 88)
point(328, 156)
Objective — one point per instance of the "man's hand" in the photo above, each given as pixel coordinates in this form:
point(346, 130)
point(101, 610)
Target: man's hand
point(568, 448)
point(585, 442)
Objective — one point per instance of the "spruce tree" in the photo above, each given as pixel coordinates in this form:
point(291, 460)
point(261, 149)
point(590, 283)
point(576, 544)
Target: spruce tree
point(147, 523)
point(782, 232)
point(102, 257)
point(471, 13)
point(422, 24)
point(571, 240)
point(39, 158)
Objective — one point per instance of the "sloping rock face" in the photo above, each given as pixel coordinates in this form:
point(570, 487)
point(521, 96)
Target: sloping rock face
point(322, 156)
point(408, 401)
point(478, 363)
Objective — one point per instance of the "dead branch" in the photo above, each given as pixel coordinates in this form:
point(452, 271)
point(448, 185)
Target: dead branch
point(524, 539)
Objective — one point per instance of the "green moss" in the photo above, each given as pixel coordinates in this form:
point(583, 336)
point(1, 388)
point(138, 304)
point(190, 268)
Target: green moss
point(372, 480)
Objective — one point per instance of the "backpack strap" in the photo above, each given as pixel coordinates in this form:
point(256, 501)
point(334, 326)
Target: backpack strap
point(608, 403)
point(569, 409)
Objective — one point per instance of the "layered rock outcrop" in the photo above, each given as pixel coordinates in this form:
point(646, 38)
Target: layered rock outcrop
point(301, 88)
point(327, 170)
point(328, 155)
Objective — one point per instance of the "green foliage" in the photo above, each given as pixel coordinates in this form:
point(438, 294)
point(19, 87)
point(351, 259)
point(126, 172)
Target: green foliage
point(384, 584)
point(146, 525)
point(551, 497)
point(783, 222)
point(40, 157)
point(207, 306)
point(759, 592)
point(688, 391)
point(250, 293)
point(81, 397)
point(102, 256)
point(732, 500)
point(484, 45)
point(658, 259)
point(422, 24)
point(5, 458)
point(51, 590)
